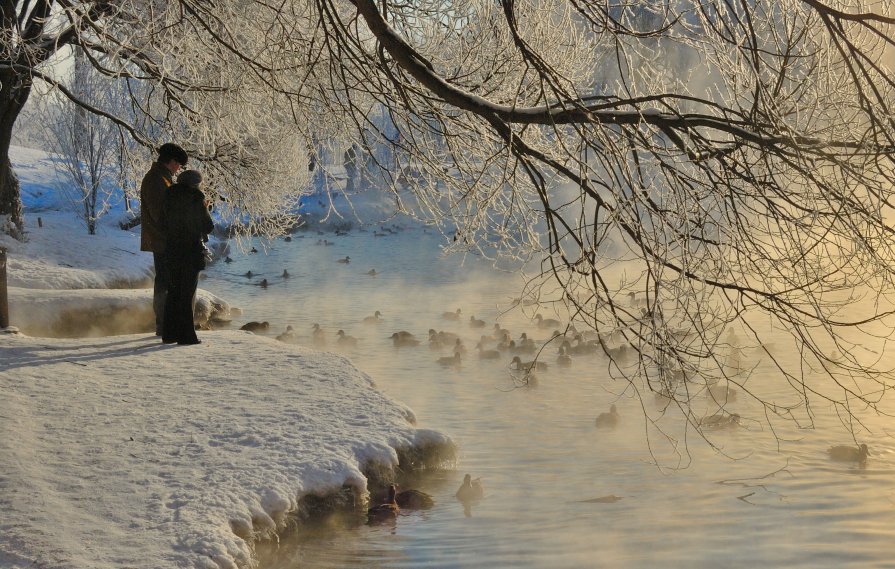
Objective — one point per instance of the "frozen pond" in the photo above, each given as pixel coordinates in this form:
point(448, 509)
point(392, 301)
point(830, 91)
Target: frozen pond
point(771, 501)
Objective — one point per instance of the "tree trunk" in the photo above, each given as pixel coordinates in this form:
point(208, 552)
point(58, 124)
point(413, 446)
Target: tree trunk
point(14, 91)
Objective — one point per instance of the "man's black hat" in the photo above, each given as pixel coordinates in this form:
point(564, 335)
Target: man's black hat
point(170, 151)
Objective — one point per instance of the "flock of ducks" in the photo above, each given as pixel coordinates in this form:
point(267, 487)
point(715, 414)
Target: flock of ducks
point(499, 344)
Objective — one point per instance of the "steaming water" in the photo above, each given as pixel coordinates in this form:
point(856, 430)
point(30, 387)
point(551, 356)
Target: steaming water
point(760, 501)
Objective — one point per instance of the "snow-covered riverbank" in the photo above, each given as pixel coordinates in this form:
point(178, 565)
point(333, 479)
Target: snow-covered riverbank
point(122, 452)
point(119, 451)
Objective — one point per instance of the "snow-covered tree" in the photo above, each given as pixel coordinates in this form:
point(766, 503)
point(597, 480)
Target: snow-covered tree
point(733, 158)
point(87, 145)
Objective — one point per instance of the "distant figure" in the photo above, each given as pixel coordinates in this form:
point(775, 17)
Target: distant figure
point(846, 453)
point(186, 224)
point(608, 420)
point(153, 188)
point(227, 259)
point(470, 489)
point(263, 283)
point(249, 274)
point(255, 326)
point(345, 261)
point(285, 274)
point(253, 250)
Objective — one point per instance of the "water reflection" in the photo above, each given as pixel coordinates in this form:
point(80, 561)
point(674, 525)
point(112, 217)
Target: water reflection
point(562, 491)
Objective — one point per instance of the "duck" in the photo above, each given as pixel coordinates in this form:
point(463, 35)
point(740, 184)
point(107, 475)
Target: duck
point(525, 345)
point(372, 272)
point(375, 319)
point(721, 393)
point(255, 326)
point(470, 489)
point(228, 259)
point(459, 347)
point(847, 453)
point(499, 333)
point(452, 361)
point(286, 274)
point(451, 315)
point(517, 364)
point(387, 509)
point(249, 274)
point(609, 419)
point(720, 421)
point(487, 354)
point(446, 337)
point(414, 500)
point(404, 339)
point(435, 342)
point(563, 359)
point(288, 239)
point(345, 261)
point(505, 343)
point(287, 336)
point(476, 323)
point(253, 250)
point(263, 283)
point(345, 339)
point(547, 322)
point(317, 334)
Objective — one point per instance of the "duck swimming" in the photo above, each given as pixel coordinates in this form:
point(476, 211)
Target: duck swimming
point(451, 315)
point(487, 354)
point(414, 500)
point(547, 322)
point(287, 336)
point(476, 323)
point(318, 335)
point(609, 419)
point(404, 339)
point(847, 453)
point(453, 361)
point(375, 319)
point(345, 339)
point(470, 489)
point(387, 509)
point(255, 326)
point(345, 261)
point(535, 365)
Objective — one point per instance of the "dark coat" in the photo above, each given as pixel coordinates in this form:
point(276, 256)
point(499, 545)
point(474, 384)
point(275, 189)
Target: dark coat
point(152, 203)
point(186, 224)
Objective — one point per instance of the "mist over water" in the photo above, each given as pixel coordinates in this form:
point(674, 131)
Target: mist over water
point(771, 498)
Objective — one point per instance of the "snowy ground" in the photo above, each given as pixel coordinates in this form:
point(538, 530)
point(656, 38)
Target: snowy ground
point(118, 451)
point(123, 452)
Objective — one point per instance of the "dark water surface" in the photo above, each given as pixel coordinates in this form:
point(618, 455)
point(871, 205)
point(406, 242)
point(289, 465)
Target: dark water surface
point(779, 501)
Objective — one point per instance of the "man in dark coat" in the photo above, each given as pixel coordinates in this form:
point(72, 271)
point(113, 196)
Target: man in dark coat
point(186, 225)
point(171, 158)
